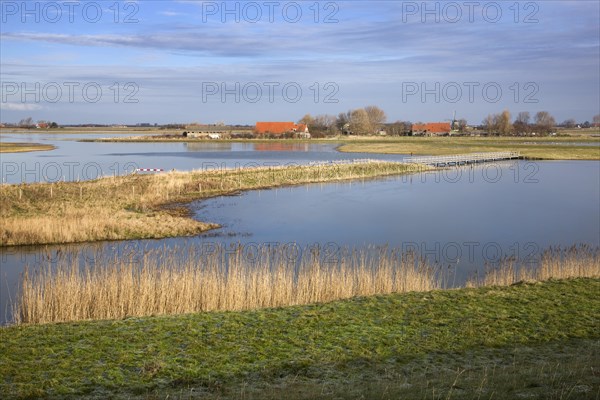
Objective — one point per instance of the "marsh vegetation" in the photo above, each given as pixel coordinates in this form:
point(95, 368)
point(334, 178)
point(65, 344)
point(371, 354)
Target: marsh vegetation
point(139, 206)
point(166, 283)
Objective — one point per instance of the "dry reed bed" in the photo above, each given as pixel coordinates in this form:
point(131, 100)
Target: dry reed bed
point(133, 206)
point(226, 280)
point(578, 261)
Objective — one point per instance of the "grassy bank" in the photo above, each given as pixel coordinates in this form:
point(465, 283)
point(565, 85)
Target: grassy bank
point(23, 147)
point(523, 341)
point(547, 148)
point(147, 206)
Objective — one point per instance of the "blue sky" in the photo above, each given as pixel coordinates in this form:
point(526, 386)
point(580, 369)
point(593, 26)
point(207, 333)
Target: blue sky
point(184, 61)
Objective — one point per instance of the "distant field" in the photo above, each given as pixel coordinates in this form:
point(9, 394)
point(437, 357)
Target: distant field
point(570, 145)
point(546, 148)
point(85, 130)
point(534, 341)
point(23, 147)
point(580, 132)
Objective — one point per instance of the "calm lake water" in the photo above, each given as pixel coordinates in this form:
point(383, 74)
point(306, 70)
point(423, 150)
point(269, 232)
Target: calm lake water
point(460, 218)
point(72, 160)
point(465, 216)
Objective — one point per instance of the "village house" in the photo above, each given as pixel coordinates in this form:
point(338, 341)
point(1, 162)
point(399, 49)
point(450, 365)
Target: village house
point(279, 128)
point(432, 128)
point(198, 131)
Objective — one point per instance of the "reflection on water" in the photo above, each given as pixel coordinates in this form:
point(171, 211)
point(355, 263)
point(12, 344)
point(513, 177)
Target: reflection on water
point(246, 146)
point(212, 146)
point(72, 160)
point(282, 147)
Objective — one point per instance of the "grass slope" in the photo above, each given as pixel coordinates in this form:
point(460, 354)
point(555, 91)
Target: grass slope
point(549, 148)
point(528, 340)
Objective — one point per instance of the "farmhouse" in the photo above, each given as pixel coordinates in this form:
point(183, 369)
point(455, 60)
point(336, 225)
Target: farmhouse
point(431, 128)
point(204, 134)
point(278, 128)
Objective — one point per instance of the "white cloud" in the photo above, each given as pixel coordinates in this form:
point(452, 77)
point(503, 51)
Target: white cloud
point(170, 13)
point(19, 107)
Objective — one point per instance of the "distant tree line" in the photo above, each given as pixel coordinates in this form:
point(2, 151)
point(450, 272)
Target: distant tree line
point(370, 120)
point(29, 124)
point(543, 123)
point(361, 121)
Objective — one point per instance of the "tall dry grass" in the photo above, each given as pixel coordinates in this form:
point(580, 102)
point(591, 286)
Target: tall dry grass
point(578, 261)
point(141, 206)
point(226, 280)
point(229, 280)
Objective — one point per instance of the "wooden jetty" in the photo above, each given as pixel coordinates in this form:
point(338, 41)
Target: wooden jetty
point(463, 159)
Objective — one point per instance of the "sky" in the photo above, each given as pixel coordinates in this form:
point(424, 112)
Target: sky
point(238, 62)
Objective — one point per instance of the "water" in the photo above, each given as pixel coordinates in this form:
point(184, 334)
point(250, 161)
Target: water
point(474, 215)
point(461, 218)
point(73, 160)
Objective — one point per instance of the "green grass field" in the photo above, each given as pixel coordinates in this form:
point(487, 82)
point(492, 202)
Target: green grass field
point(537, 341)
point(546, 148)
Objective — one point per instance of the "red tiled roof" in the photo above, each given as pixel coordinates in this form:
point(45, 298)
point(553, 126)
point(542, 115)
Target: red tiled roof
point(432, 127)
point(275, 127)
point(279, 127)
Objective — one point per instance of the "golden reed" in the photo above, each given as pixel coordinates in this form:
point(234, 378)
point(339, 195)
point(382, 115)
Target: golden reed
point(225, 280)
point(581, 261)
point(177, 283)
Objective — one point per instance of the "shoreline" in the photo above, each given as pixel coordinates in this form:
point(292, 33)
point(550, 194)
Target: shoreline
point(546, 148)
point(18, 147)
point(531, 148)
point(150, 206)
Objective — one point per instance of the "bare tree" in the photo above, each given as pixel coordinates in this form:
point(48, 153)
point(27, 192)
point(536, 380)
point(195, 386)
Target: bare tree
point(306, 120)
point(359, 121)
point(342, 120)
point(523, 117)
point(26, 123)
point(544, 122)
point(521, 124)
point(596, 120)
point(396, 129)
point(503, 124)
point(490, 123)
point(569, 123)
point(462, 125)
point(325, 123)
point(376, 116)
